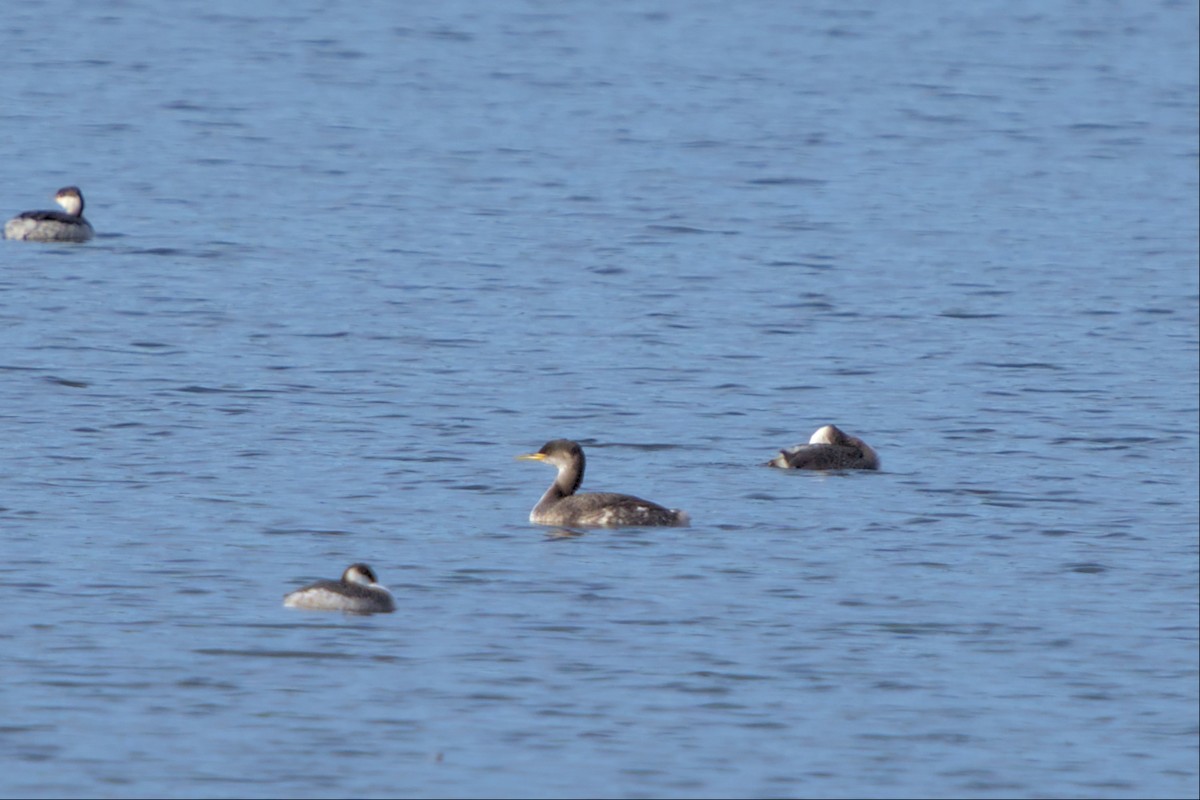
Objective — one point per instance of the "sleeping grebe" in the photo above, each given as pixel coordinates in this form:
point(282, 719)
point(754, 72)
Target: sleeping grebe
point(828, 448)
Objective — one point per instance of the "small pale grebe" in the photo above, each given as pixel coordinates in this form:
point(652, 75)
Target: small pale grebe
point(561, 506)
point(67, 225)
point(358, 591)
point(828, 448)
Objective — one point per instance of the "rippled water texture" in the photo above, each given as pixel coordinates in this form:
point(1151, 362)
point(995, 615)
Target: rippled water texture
point(352, 258)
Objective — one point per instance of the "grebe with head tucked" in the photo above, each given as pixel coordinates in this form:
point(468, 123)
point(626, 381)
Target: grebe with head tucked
point(358, 591)
point(561, 506)
point(828, 448)
point(67, 225)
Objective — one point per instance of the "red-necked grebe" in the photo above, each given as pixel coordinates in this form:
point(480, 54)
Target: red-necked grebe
point(67, 225)
point(828, 448)
point(561, 506)
point(358, 591)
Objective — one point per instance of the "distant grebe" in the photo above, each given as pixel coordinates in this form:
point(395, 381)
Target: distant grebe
point(358, 591)
point(67, 225)
point(828, 448)
point(561, 506)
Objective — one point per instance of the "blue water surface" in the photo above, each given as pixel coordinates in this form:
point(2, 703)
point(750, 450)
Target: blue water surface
point(352, 258)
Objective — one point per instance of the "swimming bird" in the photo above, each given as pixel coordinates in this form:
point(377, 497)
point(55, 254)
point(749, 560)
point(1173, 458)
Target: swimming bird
point(358, 591)
point(561, 506)
point(67, 225)
point(828, 448)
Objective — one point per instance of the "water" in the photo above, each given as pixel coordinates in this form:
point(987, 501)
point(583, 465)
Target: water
point(354, 257)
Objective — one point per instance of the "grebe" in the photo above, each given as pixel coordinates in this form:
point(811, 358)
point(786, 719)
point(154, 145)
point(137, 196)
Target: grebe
point(561, 506)
point(828, 448)
point(358, 591)
point(67, 225)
